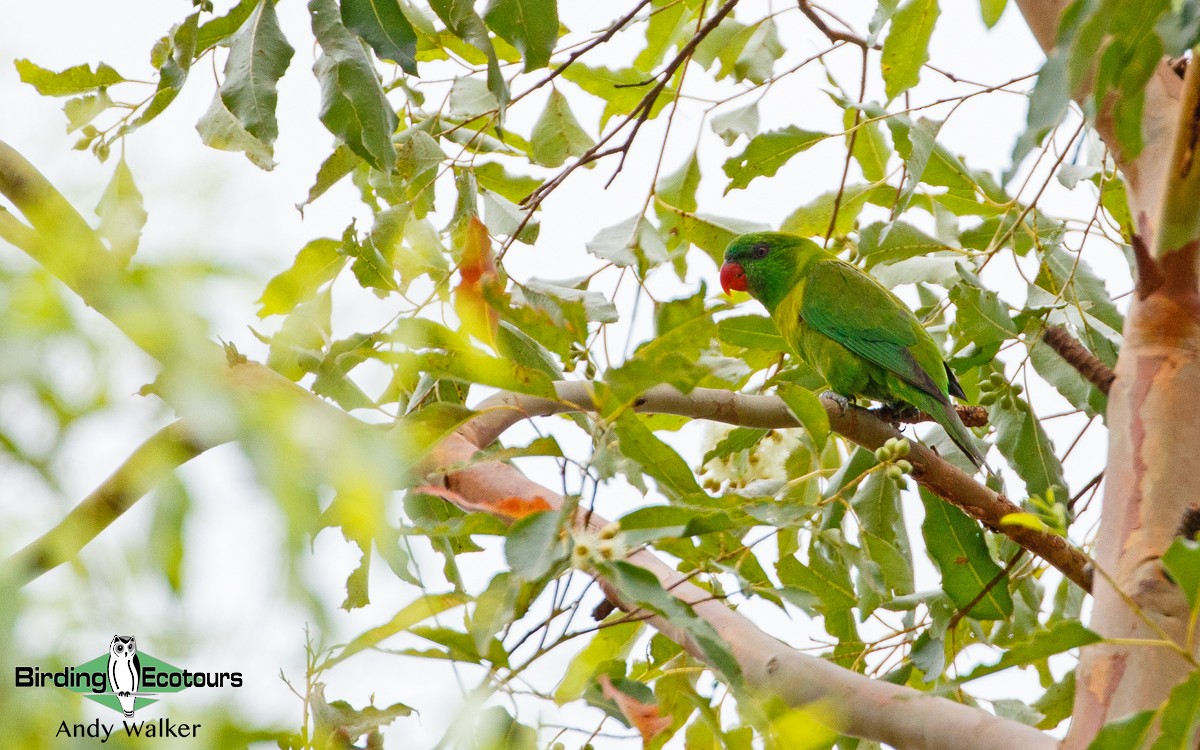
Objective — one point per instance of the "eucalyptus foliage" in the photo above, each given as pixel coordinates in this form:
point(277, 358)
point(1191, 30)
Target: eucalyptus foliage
point(420, 102)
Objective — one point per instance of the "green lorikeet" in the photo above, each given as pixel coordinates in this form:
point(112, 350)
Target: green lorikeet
point(852, 329)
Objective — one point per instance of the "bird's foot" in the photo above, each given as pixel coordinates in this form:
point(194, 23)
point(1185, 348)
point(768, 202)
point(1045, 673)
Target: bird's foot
point(842, 402)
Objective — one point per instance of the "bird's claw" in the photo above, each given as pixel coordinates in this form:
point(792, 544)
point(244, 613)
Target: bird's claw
point(842, 402)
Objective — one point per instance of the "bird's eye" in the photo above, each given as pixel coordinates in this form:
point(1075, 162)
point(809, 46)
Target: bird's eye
point(760, 250)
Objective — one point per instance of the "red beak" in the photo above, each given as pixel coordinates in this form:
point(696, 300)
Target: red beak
point(733, 277)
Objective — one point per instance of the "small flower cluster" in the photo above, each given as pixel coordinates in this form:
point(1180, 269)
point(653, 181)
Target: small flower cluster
point(765, 461)
point(893, 454)
point(605, 545)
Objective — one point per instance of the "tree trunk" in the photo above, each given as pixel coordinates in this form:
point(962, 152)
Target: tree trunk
point(1153, 472)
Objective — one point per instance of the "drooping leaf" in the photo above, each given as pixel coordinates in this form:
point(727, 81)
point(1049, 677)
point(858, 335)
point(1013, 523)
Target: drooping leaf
point(478, 270)
point(122, 214)
point(557, 135)
point(219, 129)
point(353, 105)
point(906, 47)
point(258, 56)
point(960, 552)
point(658, 460)
point(807, 407)
point(529, 25)
point(383, 25)
point(1029, 450)
point(612, 642)
point(463, 22)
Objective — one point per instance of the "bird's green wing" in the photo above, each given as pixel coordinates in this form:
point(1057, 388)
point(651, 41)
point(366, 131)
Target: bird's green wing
point(862, 315)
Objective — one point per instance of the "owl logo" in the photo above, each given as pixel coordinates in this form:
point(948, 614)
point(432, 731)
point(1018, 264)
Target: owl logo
point(124, 671)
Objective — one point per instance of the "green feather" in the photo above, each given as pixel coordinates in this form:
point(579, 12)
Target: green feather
point(852, 329)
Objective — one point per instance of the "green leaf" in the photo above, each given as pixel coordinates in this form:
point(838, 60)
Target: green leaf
point(736, 122)
point(906, 47)
point(639, 586)
point(882, 532)
point(353, 106)
point(991, 10)
point(383, 25)
point(807, 407)
point(1182, 561)
point(1180, 716)
point(766, 153)
point(830, 585)
point(657, 459)
point(711, 234)
point(557, 135)
point(1021, 440)
point(752, 332)
point(121, 213)
point(336, 166)
point(612, 642)
point(633, 242)
point(317, 263)
point(621, 89)
point(219, 129)
point(1128, 733)
point(258, 56)
point(495, 177)
point(891, 242)
point(1059, 638)
point(463, 22)
point(735, 441)
point(529, 25)
point(871, 150)
point(82, 110)
point(423, 608)
point(813, 219)
point(211, 33)
point(497, 730)
point(536, 544)
point(960, 552)
point(174, 63)
point(470, 98)
point(78, 79)
point(980, 317)
point(1066, 379)
point(678, 189)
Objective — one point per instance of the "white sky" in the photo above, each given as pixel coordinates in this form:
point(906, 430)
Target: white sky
point(216, 206)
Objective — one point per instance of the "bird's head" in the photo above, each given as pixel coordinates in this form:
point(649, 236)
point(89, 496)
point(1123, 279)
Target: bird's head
point(766, 264)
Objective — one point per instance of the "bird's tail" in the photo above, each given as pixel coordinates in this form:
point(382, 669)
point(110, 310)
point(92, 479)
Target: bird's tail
point(946, 415)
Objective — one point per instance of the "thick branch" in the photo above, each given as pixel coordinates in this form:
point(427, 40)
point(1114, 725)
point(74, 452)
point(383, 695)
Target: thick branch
point(873, 709)
point(929, 469)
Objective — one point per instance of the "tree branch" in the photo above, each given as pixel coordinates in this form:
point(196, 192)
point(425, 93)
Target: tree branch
point(165, 451)
point(1076, 355)
point(930, 470)
point(861, 707)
